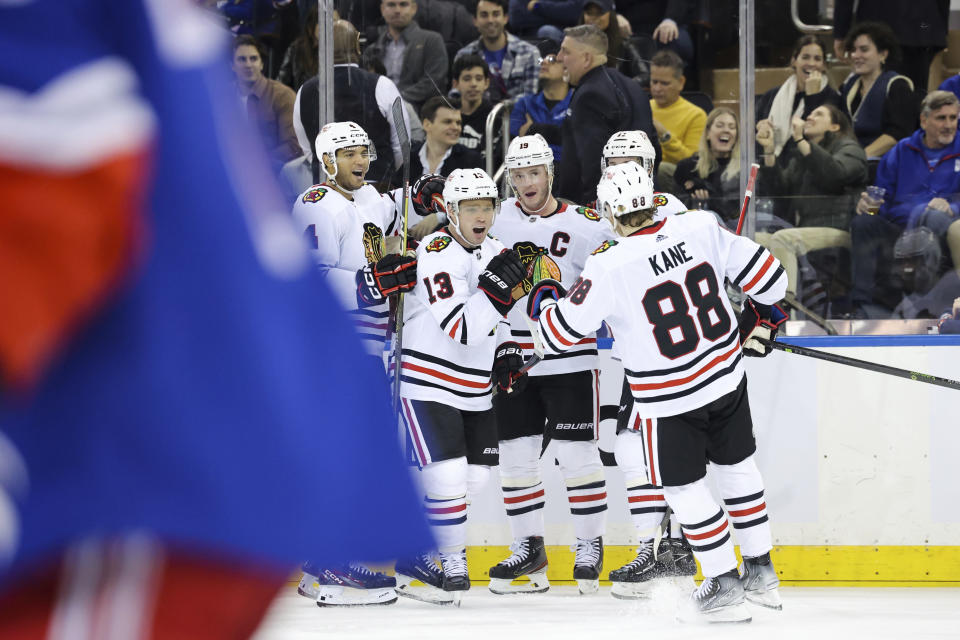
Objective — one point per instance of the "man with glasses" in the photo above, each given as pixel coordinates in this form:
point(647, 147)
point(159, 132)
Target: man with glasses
point(544, 111)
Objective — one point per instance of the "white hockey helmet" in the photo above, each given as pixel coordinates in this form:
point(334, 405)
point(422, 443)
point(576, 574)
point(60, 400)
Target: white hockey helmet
point(341, 135)
point(624, 188)
point(530, 151)
point(468, 184)
point(629, 144)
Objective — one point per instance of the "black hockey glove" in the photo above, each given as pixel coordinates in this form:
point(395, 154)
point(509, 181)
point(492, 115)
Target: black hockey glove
point(506, 364)
point(503, 273)
point(391, 274)
point(544, 289)
point(427, 194)
point(759, 321)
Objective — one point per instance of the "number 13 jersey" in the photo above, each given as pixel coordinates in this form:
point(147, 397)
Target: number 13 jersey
point(661, 291)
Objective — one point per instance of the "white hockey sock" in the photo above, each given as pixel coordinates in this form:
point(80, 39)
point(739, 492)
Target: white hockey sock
point(742, 489)
point(705, 526)
point(645, 501)
point(446, 502)
point(523, 494)
point(586, 487)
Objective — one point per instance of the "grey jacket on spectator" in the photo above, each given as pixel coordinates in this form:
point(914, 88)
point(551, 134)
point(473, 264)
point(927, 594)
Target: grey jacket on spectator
point(450, 19)
point(826, 182)
point(521, 65)
point(425, 63)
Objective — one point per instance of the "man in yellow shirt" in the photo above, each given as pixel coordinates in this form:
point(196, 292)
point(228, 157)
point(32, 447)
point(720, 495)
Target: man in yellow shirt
point(679, 122)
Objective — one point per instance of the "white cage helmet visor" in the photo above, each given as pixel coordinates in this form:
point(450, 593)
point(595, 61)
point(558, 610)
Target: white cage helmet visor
point(468, 184)
point(341, 135)
point(624, 188)
point(529, 151)
point(629, 144)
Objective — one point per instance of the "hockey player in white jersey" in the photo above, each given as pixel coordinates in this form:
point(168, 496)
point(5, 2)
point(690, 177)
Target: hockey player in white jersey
point(345, 223)
point(560, 401)
point(465, 290)
point(634, 146)
point(659, 287)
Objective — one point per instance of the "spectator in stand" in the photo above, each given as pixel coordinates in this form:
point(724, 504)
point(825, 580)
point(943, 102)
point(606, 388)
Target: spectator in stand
point(545, 111)
point(710, 178)
point(450, 19)
point(268, 104)
point(920, 27)
point(512, 61)
point(300, 61)
point(800, 94)
point(880, 102)
point(415, 59)
point(950, 320)
point(359, 96)
point(951, 84)
point(922, 189)
point(621, 53)
point(662, 24)
point(819, 173)
point(471, 78)
point(544, 19)
point(441, 152)
point(605, 101)
point(679, 122)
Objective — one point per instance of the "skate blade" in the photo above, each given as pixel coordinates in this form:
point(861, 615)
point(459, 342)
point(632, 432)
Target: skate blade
point(422, 592)
point(730, 614)
point(330, 596)
point(769, 599)
point(457, 598)
point(588, 587)
point(502, 587)
point(630, 590)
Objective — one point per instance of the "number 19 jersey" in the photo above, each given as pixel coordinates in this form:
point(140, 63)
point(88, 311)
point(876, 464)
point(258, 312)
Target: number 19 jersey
point(661, 292)
point(561, 242)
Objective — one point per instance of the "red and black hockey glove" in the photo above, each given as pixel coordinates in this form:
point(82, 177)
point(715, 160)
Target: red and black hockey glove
point(503, 273)
point(427, 194)
point(506, 363)
point(759, 321)
point(391, 274)
point(544, 289)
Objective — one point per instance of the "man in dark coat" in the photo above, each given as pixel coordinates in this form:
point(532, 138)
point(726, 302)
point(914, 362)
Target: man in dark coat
point(605, 101)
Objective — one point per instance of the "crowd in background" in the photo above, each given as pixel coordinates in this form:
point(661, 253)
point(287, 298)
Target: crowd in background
point(859, 187)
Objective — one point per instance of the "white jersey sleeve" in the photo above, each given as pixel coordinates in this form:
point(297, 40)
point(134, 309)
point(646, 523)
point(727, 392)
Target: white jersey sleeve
point(752, 268)
point(667, 205)
point(324, 216)
point(568, 321)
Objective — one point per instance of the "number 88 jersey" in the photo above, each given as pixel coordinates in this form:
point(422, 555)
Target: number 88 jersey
point(661, 292)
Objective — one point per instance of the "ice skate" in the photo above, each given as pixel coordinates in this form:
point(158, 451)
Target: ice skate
point(635, 579)
point(528, 558)
point(684, 563)
point(424, 569)
point(760, 582)
point(354, 585)
point(588, 564)
point(719, 599)
point(456, 579)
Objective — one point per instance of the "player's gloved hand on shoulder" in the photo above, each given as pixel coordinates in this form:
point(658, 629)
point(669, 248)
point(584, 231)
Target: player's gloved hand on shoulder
point(503, 273)
point(391, 274)
point(506, 363)
point(759, 321)
point(426, 194)
point(546, 289)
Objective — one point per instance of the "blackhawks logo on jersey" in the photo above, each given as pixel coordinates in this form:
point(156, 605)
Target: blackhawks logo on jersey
point(588, 213)
point(659, 200)
point(439, 243)
point(539, 266)
point(372, 242)
point(314, 195)
point(606, 245)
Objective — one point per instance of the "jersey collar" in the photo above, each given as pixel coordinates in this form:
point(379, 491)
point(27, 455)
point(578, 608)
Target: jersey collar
point(561, 207)
point(648, 230)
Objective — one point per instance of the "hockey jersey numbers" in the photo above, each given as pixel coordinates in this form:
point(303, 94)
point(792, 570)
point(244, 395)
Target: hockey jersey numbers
point(439, 243)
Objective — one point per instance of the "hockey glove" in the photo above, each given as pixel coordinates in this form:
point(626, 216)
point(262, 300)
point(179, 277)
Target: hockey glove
point(759, 321)
point(391, 274)
point(506, 364)
point(427, 195)
point(503, 273)
point(545, 289)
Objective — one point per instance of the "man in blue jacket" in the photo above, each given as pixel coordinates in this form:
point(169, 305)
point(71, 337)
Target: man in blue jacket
point(921, 176)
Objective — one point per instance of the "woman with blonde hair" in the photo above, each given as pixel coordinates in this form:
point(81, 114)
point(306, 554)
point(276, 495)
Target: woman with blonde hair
point(710, 178)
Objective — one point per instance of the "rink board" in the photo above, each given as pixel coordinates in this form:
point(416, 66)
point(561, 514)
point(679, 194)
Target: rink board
point(859, 469)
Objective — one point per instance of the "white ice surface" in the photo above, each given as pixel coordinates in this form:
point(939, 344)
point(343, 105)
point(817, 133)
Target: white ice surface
point(809, 613)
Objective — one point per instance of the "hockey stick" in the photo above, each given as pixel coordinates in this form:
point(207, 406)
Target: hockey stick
point(404, 139)
point(815, 318)
point(860, 364)
point(747, 195)
point(659, 531)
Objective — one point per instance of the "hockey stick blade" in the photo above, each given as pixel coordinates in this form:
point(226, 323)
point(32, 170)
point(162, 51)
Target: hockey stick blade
point(861, 364)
